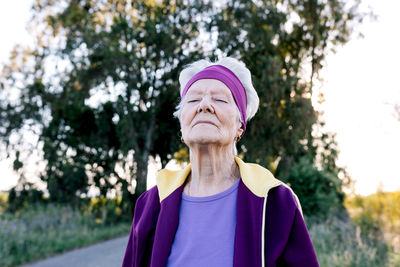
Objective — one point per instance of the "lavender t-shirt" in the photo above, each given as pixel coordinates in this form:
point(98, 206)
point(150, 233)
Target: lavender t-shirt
point(206, 231)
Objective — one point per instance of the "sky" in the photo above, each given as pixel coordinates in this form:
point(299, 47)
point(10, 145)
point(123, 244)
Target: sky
point(360, 87)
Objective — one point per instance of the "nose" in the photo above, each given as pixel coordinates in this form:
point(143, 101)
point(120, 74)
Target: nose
point(205, 106)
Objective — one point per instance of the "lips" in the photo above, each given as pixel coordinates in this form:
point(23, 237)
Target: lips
point(208, 122)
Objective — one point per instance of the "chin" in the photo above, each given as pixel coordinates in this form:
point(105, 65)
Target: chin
point(205, 140)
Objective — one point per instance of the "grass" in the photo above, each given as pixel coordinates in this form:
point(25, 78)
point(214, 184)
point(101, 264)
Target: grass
point(44, 230)
point(340, 243)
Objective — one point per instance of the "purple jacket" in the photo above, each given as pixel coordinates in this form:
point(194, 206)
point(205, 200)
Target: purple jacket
point(271, 236)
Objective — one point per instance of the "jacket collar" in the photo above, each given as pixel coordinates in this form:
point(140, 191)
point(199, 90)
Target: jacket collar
point(256, 178)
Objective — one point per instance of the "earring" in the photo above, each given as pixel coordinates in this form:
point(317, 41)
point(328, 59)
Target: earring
point(237, 139)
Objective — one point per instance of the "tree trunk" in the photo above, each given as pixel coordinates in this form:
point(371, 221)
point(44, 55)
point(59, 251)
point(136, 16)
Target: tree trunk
point(141, 174)
point(142, 160)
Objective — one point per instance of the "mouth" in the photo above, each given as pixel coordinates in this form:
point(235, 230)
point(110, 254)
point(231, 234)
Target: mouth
point(204, 122)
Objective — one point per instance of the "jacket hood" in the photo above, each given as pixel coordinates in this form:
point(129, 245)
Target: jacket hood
point(256, 178)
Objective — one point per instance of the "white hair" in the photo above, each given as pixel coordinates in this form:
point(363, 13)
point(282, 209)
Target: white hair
point(238, 68)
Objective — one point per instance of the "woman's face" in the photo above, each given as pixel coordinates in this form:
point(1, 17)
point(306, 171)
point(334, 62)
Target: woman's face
point(209, 115)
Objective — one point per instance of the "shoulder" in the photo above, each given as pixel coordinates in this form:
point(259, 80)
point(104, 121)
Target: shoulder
point(149, 195)
point(147, 202)
point(284, 197)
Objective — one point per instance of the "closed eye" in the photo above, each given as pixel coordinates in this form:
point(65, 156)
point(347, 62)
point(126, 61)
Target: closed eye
point(193, 100)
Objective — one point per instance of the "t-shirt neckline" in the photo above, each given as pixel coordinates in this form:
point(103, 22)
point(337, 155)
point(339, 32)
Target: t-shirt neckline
point(212, 197)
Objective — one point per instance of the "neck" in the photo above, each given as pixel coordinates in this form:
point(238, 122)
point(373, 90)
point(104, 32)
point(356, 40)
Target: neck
point(213, 170)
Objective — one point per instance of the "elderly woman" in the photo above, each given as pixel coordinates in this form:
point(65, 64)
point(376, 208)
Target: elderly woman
point(219, 210)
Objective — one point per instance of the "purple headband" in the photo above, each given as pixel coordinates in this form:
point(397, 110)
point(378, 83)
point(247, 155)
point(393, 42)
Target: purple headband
point(226, 76)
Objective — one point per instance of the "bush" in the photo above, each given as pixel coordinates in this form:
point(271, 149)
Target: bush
point(19, 199)
point(319, 191)
point(106, 210)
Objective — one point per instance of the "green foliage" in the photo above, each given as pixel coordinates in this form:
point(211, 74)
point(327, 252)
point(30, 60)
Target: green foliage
point(319, 191)
point(100, 84)
point(105, 210)
point(99, 89)
point(39, 231)
point(66, 184)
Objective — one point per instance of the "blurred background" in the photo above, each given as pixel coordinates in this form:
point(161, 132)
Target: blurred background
point(88, 88)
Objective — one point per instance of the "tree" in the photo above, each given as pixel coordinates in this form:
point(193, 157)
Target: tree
point(98, 89)
point(100, 85)
point(278, 40)
point(281, 42)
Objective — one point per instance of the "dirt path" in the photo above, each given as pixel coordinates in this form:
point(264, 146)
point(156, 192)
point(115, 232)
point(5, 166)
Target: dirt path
point(106, 254)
